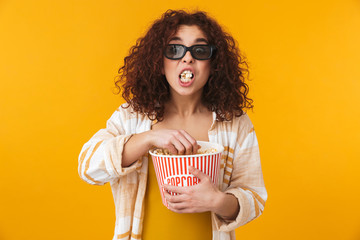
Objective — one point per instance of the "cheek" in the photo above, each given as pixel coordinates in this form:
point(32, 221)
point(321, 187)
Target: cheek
point(167, 66)
point(170, 71)
point(206, 69)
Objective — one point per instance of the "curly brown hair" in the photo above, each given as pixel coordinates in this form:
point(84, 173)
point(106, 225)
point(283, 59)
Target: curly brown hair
point(146, 89)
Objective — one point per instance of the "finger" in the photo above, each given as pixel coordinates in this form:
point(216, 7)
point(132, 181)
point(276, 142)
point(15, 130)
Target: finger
point(192, 141)
point(174, 189)
point(180, 208)
point(180, 148)
point(172, 149)
point(174, 198)
point(188, 146)
point(197, 173)
point(172, 207)
point(175, 147)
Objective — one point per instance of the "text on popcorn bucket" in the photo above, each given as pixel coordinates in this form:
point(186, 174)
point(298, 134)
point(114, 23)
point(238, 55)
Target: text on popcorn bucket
point(183, 180)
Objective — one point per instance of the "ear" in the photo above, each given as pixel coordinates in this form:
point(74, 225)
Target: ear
point(162, 70)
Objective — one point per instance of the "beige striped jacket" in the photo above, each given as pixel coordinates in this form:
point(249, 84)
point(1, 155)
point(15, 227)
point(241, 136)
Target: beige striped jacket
point(240, 173)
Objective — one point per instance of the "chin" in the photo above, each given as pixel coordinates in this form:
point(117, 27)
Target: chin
point(187, 92)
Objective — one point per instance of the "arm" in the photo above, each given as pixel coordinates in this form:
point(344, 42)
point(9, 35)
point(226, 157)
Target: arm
point(246, 183)
point(100, 158)
point(226, 206)
point(176, 141)
point(116, 151)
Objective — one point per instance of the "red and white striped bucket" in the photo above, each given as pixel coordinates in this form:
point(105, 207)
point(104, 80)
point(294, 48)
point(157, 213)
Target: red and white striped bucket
point(173, 169)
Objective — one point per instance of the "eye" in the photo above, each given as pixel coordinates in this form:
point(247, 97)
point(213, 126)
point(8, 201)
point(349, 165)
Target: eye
point(200, 50)
point(174, 49)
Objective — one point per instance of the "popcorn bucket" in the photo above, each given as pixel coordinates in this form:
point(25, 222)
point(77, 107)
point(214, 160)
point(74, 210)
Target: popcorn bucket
point(173, 169)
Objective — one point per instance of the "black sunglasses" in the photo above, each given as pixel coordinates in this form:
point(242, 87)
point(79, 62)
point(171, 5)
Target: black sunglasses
point(199, 52)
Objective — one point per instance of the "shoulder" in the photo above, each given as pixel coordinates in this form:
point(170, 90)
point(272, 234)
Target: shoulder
point(126, 112)
point(129, 118)
point(241, 124)
point(236, 133)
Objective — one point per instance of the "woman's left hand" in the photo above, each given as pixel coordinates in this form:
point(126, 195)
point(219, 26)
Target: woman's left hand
point(201, 197)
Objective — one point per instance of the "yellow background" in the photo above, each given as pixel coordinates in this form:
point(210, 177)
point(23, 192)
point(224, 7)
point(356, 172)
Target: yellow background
point(58, 60)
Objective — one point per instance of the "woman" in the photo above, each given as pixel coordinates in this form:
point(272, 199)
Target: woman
point(183, 82)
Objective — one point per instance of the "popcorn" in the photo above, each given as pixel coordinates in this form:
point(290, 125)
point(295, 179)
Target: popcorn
point(160, 151)
point(209, 150)
point(186, 76)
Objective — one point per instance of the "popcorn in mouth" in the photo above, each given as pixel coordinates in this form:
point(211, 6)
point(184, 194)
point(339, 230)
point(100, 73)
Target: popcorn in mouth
point(186, 76)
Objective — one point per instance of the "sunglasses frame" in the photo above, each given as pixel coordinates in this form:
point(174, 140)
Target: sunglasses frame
point(212, 50)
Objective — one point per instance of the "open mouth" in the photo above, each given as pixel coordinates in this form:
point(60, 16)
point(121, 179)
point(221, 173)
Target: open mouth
point(186, 76)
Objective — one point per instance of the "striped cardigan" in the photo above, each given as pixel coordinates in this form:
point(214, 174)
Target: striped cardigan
point(240, 171)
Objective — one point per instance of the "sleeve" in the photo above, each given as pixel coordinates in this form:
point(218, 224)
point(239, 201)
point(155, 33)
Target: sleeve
point(246, 180)
point(100, 158)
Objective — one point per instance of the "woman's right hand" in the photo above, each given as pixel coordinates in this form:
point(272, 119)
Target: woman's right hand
point(178, 142)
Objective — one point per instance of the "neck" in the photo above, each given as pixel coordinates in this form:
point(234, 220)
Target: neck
point(185, 106)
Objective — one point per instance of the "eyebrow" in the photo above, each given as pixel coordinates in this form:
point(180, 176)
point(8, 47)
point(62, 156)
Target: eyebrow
point(198, 40)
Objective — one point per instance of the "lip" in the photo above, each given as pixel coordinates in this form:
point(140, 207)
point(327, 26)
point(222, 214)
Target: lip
point(187, 83)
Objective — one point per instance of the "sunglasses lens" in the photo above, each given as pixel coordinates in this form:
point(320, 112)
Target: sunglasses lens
point(201, 52)
point(177, 51)
point(174, 51)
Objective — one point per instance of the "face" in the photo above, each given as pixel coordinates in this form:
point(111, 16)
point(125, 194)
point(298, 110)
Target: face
point(187, 76)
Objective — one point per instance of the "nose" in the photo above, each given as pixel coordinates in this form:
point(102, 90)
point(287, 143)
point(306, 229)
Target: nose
point(188, 58)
